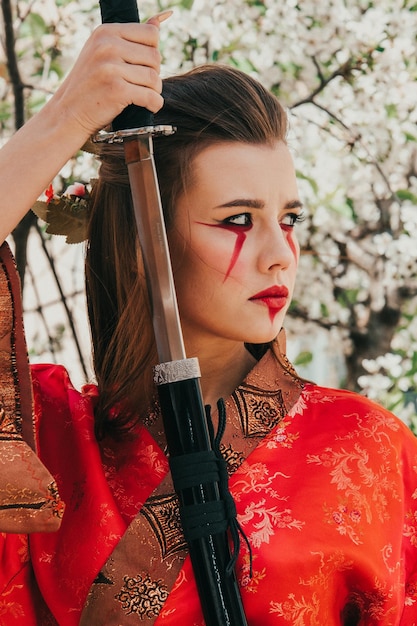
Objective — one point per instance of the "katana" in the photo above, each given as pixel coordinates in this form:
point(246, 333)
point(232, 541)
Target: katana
point(197, 471)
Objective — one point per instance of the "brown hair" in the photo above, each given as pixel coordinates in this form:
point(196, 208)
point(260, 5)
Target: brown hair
point(207, 105)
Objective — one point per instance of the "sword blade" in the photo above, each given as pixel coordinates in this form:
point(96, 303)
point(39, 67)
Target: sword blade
point(156, 257)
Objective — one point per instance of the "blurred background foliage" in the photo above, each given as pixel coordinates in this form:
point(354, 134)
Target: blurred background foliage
point(346, 70)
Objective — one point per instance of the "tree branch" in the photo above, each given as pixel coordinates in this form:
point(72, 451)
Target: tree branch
point(12, 65)
point(343, 71)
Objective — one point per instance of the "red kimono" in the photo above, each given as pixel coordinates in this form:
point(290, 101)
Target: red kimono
point(327, 497)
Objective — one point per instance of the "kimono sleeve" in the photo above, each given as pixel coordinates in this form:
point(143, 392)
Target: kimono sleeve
point(20, 601)
point(29, 499)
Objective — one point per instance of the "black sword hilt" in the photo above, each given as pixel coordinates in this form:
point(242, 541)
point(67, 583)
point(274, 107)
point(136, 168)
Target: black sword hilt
point(202, 508)
point(124, 11)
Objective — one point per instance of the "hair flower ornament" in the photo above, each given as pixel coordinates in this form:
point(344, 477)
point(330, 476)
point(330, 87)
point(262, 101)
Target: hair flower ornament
point(67, 214)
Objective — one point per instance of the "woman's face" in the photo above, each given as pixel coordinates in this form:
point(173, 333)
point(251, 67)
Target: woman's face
point(233, 246)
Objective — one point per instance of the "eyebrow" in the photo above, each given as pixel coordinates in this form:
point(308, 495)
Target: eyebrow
point(258, 204)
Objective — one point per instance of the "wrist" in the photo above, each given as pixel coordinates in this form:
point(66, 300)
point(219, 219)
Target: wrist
point(58, 120)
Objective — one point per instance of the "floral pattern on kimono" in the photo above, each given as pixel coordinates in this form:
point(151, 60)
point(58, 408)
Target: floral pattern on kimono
point(327, 497)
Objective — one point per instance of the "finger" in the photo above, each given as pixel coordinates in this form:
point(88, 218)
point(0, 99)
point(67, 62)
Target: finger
point(109, 46)
point(139, 54)
point(145, 33)
point(160, 17)
point(141, 96)
point(129, 83)
point(148, 98)
point(142, 76)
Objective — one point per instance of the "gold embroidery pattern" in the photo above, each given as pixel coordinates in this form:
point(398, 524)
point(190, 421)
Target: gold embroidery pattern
point(259, 410)
point(10, 427)
point(162, 514)
point(142, 596)
point(233, 458)
point(58, 506)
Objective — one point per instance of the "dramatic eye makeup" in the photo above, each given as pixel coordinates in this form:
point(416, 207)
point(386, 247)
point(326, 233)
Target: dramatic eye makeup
point(241, 219)
point(239, 225)
point(291, 219)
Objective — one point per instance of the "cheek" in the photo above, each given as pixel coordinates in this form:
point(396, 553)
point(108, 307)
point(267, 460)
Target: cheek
point(201, 261)
point(214, 254)
point(226, 256)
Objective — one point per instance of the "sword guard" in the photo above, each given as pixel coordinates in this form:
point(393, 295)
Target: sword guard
point(118, 136)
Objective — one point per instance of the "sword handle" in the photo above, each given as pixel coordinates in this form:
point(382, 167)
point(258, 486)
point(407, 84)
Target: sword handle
point(186, 431)
point(124, 11)
point(119, 11)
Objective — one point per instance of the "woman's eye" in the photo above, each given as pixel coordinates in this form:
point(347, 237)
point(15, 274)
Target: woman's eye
point(242, 219)
point(291, 219)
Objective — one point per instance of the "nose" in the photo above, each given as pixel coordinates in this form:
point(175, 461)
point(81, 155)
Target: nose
point(279, 248)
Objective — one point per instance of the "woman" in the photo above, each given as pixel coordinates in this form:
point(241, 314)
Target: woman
point(324, 480)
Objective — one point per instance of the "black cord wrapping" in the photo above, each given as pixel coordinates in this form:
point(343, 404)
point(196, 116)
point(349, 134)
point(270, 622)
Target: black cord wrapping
point(209, 518)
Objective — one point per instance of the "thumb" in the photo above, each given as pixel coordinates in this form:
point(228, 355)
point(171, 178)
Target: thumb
point(157, 19)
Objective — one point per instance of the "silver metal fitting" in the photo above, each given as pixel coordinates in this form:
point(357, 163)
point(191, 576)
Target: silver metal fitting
point(175, 371)
point(118, 136)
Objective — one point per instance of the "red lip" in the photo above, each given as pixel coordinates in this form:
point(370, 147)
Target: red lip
point(274, 297)
point(277, 291)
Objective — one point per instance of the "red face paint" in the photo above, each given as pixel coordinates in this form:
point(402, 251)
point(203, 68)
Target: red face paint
point(290, 231)
point(240, 232)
